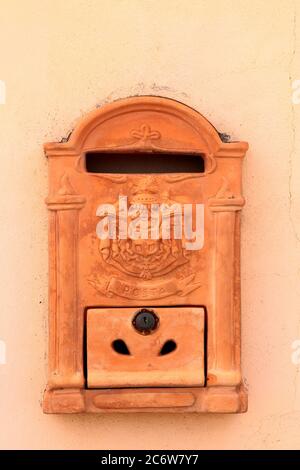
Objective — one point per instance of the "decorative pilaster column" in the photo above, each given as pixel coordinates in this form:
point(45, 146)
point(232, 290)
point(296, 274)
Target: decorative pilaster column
point(224, 318)
point(65, 345)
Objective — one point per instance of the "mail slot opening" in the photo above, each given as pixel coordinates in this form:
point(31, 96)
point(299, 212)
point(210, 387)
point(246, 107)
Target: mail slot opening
point(140, 163)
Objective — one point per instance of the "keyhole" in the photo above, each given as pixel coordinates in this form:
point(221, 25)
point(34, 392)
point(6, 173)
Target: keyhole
point(145, 321)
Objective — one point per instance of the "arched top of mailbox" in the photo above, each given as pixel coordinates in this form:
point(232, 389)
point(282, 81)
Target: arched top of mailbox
point(146, 124)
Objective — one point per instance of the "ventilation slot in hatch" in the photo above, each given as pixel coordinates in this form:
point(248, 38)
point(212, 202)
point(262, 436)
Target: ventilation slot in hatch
point(120, 347)
point(168, 347)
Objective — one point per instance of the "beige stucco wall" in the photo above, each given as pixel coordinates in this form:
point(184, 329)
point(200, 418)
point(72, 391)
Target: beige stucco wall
point(234, 61)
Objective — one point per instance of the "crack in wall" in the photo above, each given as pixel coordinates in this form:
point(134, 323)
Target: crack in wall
point(293, 126)
point(290, 174)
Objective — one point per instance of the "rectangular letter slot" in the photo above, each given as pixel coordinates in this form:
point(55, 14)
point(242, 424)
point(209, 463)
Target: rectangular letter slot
point(121, 355)
point(144, 263)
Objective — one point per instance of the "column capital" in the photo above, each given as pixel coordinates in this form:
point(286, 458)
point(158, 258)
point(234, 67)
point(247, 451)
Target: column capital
point(65, 198)
point(225, 200)
point(228, 204)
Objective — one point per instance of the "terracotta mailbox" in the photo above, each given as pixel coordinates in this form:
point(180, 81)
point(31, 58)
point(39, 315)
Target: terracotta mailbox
point(144, 245)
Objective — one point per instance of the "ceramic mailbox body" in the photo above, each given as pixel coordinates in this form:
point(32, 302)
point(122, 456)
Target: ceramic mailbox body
point(97, 286)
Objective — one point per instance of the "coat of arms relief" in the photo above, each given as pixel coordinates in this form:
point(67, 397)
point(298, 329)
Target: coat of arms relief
point(149, 257)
